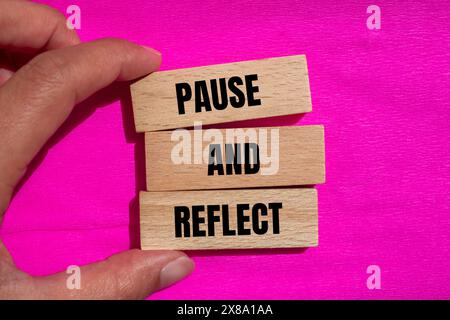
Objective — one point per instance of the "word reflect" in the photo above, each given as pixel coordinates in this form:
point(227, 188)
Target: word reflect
point(190, 220)
point(226, 219)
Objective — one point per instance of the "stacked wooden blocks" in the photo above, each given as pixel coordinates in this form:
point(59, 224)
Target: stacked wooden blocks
point(228, 188)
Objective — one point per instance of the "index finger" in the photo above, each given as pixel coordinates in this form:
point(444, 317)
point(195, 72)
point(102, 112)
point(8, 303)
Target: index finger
point(39, 97)
point(32, 26)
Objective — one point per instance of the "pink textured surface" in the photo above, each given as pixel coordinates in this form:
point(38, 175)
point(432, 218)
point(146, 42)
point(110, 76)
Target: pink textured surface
point(383, 97)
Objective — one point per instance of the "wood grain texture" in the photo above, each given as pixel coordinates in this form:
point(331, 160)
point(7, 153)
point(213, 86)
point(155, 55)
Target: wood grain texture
point(298, 226)
point(297, 159)
point(283, 89)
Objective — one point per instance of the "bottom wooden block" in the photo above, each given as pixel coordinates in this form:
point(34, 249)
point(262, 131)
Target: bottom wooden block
point(229, 219)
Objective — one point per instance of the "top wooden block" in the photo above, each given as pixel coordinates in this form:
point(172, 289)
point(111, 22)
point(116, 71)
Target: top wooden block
point(221, 93)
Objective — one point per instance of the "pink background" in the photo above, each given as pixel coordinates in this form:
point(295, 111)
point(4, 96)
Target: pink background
point(383, 97)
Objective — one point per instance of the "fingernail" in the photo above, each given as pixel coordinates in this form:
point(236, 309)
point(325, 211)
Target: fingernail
point(5, 74)
point(153, 51)
point(175, 270)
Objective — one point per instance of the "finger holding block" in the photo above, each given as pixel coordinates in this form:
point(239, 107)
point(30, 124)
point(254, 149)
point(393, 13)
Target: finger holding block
point(221, 93)
point(234, 158)
point(229, 219)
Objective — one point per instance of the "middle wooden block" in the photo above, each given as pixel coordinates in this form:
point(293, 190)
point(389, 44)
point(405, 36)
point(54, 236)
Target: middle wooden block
point(234, 158)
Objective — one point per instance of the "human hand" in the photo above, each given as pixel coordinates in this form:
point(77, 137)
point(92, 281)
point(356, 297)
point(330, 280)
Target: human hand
point(36, 96)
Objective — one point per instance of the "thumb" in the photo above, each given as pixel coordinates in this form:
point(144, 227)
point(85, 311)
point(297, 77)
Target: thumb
point(132, 274)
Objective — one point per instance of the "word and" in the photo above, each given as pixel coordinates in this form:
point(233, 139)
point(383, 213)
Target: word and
point(261, 149)
point(233, 159)
point(189, 221)
point(217, 96)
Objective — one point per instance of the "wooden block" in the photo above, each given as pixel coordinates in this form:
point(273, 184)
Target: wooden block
point(221, 93)
point(229, 219)
point(289, 156)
